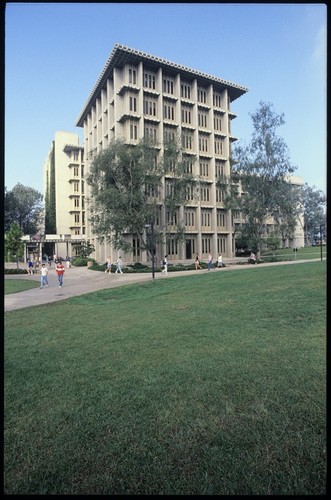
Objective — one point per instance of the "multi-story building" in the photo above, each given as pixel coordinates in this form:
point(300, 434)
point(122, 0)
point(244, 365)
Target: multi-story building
point(138, 94)
point(64, 191)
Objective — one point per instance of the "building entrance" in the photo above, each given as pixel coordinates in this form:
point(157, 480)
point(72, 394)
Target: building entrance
point(189, 249)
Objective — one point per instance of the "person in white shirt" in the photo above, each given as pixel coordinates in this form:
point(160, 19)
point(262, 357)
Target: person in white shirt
point(43, 276)
point(165, 265)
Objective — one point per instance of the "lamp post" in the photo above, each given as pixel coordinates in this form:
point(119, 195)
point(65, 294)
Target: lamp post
point(151, 225)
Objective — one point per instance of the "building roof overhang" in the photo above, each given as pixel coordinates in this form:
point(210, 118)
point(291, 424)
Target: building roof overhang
point(122, 55)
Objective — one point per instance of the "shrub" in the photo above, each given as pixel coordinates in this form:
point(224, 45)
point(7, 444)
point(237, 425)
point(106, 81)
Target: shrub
point(15, 271)
point(82, 261)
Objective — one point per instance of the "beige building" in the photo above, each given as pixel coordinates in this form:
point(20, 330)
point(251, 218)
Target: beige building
point(138, 94)
point(64, 191)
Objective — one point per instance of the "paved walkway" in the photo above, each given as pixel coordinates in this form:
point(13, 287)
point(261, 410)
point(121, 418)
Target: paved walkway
point(81, 280)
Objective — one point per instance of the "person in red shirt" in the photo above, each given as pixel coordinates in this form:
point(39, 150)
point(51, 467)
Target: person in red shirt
point(60, 272)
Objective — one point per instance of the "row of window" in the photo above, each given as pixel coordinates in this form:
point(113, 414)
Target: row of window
point(150, 108)
point(169, 86)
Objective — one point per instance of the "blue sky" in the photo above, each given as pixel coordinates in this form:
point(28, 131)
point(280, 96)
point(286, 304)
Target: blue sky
point(54, 53)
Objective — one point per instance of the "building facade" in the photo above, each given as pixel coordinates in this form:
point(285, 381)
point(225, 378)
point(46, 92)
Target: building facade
point(64, 191)
point(138, 95)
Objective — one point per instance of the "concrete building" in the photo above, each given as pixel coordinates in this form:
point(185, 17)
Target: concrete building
point(64, 191)
point(138, 94)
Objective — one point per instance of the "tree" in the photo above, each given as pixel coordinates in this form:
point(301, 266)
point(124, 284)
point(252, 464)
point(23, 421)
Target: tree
point(126, 184)
point(261, 170)
point(85, 250)
point(13, 243)
point(313, 201)
point(23, 206)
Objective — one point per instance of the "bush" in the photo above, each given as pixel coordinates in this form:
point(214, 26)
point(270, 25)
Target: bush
point(15, 271)
point(82, 261)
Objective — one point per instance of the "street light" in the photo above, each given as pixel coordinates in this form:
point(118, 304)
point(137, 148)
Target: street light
point(151, 225)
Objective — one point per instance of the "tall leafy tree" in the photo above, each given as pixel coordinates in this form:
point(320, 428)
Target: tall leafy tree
point(13, 243)
point(178, 178)
point(261, 168)
point(313, 201)
point(126, 184)
point(23, 206)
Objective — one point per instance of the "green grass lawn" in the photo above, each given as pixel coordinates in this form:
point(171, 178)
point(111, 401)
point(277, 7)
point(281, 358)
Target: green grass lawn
point(205, 384)
point(17, 285)
point(302, 253)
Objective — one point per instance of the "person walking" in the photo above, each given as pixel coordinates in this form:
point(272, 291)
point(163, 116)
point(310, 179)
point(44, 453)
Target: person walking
point(119, 265)
point(165, 265)
point(197, 262)
point(60, 272)
point(210, 261)
point(219, 261)
point(108, 270)
point(43, 276)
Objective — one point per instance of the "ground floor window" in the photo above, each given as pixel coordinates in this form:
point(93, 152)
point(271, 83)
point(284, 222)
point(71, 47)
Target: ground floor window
point(172, 247)
point(221, 244)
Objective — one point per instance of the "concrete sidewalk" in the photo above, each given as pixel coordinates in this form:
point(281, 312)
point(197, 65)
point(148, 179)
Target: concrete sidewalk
point(81, 280)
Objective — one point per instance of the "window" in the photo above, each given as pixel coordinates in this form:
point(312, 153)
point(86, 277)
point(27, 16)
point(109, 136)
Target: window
point(150, 107)
point(149, 80)
point(136, 247)
point(221, 244)
point(187, 141)
point(168, 134)
point(172, 218)
point(168, 85)
point(205, 193)
point(217, 100)
point(132, 76)
point(75, 155)
point(76, 187)
point(133, 132)
point(185, 90)
point(168, 111)
point(76, 171)
point(204, 169)
point(189, 193)
point(186, 115)
point(172, 247)
point(77, 219)
point(188, 166)
point(220, 218)
point(202, 120)
point(150, 132)
point(133, 103)
point(205, 218)
point(189, 218)
point(202, 95)
point(203, 144)
point(205, 245)
point(218, 147)
point(219, 195)
point(217, 122)
point(76, 202)
point(219, 169)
